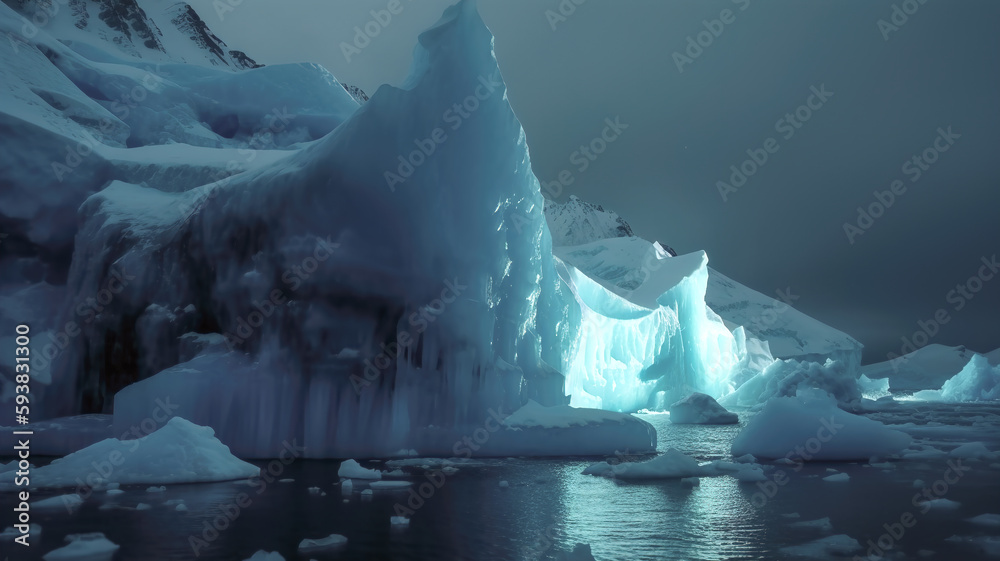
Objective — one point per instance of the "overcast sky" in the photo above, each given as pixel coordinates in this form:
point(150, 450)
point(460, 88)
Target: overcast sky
point(893, 86)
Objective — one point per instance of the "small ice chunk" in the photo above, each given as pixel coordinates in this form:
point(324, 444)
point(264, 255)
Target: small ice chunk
point(399, 521)
point(69, 502)
point(160, 489)
point(395, 473)
point(113, 492)
point(837, 478)
point(831, 470)
point(918, 484)
point(380, 485)
point(315, 490)
point(90, 547)
point(746, 459)
point(972, 451)
point(320, 545)
point(10, 533)
point(942, 504)
point(751, 473)
point(791, 515)
point(839, 544)
point(353, 470)
point(822, 524)
point(986, 520)
point(504, 484)
point(262, 555)
point(448, 470)
point(286, 480)
point(181, 507)
point(142, 506)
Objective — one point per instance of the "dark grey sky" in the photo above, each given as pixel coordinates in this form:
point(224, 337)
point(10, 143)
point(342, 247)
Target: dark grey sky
point(785, 226)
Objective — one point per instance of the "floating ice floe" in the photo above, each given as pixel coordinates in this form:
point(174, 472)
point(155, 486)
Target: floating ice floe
point(84, 547)
point(179, 452)
point(351, 469)
point(810, 426)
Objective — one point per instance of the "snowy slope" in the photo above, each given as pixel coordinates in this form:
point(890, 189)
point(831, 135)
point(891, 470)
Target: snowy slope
point(611, 254)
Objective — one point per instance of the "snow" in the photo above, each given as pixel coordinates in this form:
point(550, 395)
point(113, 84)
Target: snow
point(978, 380)
point(700, 409)
point(351, 469)
point(84, 547)
point(811, 427)
point(320, 545)
point(179, 452)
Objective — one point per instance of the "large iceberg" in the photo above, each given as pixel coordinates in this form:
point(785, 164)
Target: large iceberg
point(280, 261)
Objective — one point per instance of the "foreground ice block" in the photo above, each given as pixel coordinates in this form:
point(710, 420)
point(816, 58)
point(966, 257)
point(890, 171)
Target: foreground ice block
point(977, 381)
point(179, 452)
point(810, 427)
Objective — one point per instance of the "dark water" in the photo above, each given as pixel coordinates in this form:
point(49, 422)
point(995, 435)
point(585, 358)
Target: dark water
point(549, 506)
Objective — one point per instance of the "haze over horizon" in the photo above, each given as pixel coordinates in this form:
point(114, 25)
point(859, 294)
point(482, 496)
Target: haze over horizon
point(894, 88)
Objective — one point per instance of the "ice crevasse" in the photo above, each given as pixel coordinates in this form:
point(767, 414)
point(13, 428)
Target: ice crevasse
point(389, 286)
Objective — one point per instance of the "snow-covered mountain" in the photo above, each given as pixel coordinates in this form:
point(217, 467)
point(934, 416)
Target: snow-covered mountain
point(159, 31)
point(602, 244)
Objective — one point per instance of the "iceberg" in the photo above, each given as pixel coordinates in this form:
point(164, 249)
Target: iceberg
point(810, 427)
point(701, 409)
point(978, 380)
point(179, 452)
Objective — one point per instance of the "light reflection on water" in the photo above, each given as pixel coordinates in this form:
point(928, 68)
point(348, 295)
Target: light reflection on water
point(550, 506)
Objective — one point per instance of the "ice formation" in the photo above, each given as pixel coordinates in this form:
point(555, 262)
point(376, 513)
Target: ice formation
point(700, 409)
point(783, 378)
point(926, 368)
point(977, 381)
point(88, 547)
point(810, 427)
point(180, 452)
